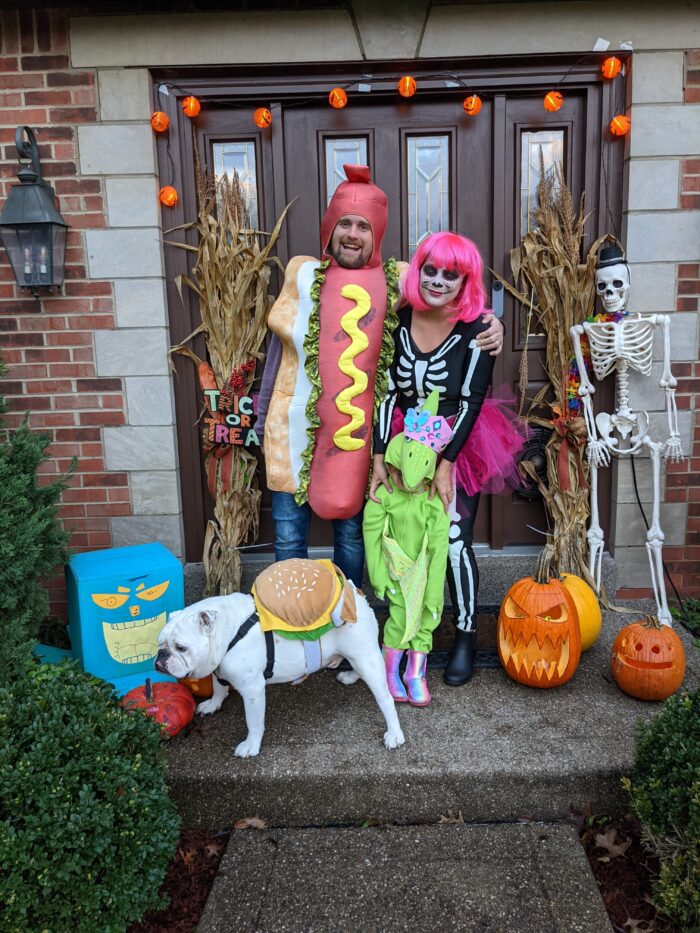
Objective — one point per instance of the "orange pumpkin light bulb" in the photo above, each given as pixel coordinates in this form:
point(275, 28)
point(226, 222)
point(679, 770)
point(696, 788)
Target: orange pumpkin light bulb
point(472, 105)
point(611, 67)
point(337, 98)
point(648, 660)
point(191, 107)
point(168, 196)
point(553, 101)
point(262, 118)
point(160, 121)
point(407, 86)
point(620, 125)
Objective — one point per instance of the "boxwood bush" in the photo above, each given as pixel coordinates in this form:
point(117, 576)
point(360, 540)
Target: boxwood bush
point(87, 829)
point(665, 793)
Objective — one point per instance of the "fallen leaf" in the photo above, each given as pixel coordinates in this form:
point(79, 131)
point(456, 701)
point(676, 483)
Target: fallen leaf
point(213, 850)
point(607, 841)
point(186, 855)
point(250, 822)
point(451, 818)
point(638, 926)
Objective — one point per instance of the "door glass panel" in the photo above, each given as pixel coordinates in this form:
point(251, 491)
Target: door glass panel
point(540, 146)
point(428, 163)
point(239, 156)
point(340, 152)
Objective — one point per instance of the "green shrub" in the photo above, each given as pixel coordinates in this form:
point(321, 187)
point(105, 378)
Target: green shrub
point(665, 793)
point(87, 829)
point(32, 543)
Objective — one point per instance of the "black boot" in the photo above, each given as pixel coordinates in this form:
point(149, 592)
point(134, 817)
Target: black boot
point(461, 664)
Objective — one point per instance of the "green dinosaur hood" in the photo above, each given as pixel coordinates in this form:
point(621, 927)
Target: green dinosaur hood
point(414, 460)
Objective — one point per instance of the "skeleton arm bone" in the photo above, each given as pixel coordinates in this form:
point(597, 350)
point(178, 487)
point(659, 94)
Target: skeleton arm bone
point(672, 448)
point(596, 451)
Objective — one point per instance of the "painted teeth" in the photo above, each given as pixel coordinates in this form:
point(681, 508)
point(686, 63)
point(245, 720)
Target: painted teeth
point(131, 623)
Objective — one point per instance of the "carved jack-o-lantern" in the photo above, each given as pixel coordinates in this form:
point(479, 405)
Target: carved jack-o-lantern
point(648, 660)
point(539, 639)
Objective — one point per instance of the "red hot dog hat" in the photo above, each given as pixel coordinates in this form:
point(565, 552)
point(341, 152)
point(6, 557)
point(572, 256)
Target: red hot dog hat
point(357, 195)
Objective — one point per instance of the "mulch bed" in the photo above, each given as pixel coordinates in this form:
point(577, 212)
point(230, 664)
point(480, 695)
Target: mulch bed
point(187, 883)
point(624, 871)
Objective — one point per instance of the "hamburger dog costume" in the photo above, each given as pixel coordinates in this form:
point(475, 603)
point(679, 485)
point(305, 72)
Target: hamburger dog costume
point(335, 328)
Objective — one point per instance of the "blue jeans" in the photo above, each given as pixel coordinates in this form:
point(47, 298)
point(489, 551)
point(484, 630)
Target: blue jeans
point(292, 535)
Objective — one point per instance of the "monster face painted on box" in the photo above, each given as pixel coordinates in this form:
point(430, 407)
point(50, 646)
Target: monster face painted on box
point(118, 602)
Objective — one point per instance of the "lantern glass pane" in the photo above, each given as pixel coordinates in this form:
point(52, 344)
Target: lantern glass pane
point(428, 162)
point(30, 249)
point(350, 150)
point(238, 155)
point(58, 254)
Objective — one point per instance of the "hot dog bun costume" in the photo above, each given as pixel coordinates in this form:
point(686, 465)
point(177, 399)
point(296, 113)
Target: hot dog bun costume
point(335, 327)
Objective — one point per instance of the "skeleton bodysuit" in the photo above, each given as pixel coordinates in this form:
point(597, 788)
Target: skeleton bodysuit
point(462, 374)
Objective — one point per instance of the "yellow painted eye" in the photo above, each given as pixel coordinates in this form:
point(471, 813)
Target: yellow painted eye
point(109, 600)
point(513, 610)
point(154, 592)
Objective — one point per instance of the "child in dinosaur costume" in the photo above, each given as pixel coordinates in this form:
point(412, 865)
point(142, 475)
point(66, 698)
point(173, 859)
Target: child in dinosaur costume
point(406, 541)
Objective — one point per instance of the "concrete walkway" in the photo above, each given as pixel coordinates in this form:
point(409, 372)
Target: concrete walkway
point(530, 878)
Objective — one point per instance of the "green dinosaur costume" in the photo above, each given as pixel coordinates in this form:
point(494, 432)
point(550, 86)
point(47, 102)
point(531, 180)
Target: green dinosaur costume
point(407, 534)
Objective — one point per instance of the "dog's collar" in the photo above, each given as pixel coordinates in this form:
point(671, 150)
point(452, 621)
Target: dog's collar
point(243, 630)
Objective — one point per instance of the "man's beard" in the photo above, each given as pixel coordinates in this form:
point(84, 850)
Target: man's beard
point(357, 263)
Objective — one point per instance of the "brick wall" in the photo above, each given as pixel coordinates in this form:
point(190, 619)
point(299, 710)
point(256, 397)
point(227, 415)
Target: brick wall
point(49, 345)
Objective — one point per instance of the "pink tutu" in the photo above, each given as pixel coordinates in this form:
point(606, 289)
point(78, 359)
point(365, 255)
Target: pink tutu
point(488, 462)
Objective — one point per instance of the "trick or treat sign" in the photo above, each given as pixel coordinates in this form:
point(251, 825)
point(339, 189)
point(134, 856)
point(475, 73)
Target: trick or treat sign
point(230, 420)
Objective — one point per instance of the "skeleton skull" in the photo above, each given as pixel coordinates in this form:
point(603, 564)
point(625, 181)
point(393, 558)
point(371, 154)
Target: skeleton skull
point(612, 284)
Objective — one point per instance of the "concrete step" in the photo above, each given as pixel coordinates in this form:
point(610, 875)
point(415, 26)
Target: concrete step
point(494, 749)
point(498, 570)
point(531, 878)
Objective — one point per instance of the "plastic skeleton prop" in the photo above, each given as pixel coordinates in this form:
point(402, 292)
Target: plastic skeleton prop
point(622, 346)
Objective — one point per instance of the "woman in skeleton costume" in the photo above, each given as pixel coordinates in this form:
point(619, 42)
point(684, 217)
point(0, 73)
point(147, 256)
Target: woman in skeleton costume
point(436, 349)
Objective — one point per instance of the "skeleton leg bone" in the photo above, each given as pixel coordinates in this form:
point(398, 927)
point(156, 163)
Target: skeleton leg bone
point(655, 537)
point(594, 534)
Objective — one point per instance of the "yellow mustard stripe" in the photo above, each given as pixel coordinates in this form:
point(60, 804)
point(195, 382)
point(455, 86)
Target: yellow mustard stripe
point(359, 342)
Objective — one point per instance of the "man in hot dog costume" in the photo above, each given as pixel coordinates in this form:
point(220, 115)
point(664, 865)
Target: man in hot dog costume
point(326, 373)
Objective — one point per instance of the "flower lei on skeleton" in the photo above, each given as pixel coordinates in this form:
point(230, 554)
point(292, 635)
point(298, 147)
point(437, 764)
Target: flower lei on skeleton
point(311, 344)
point(573, 379)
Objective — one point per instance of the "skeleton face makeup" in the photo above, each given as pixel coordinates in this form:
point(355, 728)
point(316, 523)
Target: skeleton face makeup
point(612, 284)
point(439, 287)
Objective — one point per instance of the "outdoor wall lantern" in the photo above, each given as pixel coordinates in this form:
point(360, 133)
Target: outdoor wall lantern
point(31, 229)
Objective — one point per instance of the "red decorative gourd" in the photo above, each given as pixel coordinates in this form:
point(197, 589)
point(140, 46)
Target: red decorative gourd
point(648, 660)
point(538, 633)
point(172, 705)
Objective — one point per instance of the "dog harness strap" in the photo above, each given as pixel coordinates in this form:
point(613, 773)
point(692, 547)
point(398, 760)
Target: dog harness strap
point(270, 645)
point(241, 633)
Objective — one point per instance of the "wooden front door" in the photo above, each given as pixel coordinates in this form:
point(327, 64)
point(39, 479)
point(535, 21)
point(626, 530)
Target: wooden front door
point(440, 170)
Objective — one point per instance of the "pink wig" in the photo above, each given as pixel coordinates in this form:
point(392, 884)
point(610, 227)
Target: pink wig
point(456, 253)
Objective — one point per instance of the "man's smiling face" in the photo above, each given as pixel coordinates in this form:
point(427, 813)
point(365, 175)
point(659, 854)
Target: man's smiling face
point(351, 243)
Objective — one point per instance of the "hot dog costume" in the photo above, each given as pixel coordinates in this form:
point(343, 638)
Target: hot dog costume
point(335, 329)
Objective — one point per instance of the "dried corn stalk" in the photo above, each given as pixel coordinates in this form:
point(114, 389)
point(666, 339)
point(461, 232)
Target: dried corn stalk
point(559, 291)
point(230, 276)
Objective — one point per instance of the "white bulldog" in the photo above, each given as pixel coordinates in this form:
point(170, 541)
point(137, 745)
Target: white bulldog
point(196, 642)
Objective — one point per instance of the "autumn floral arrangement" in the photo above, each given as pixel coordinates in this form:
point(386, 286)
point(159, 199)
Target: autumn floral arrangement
point(231, 278)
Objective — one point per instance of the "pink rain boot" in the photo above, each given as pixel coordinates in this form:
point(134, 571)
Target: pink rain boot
point(414, 678)
point(392, 659)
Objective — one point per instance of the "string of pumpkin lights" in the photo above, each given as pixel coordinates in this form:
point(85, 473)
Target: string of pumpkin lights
point(407, 86)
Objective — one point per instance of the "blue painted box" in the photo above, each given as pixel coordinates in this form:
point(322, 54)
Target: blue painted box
point(118, 601)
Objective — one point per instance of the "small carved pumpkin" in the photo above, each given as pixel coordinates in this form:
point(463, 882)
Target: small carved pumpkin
point(588, 608)
point(472, 105)
point(160, 121)
point(172, 705)
point(553, 101)
point(202, 688)
point(538, 634)
point(191, 106)
point(648, 660)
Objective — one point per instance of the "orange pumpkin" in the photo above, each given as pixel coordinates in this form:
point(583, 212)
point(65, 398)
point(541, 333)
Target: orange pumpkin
point(191, 106)
point(160, 121)
point(590, 616)
point(337, 98)
point(202, 688)
point(538, 633)
point(168, 196)
point(648, 660)
point(407, 86)
point(620, 125)
point(472, 105)
point(553, 101)
point(611, 67)
point(172, 705)
point(262, 118)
